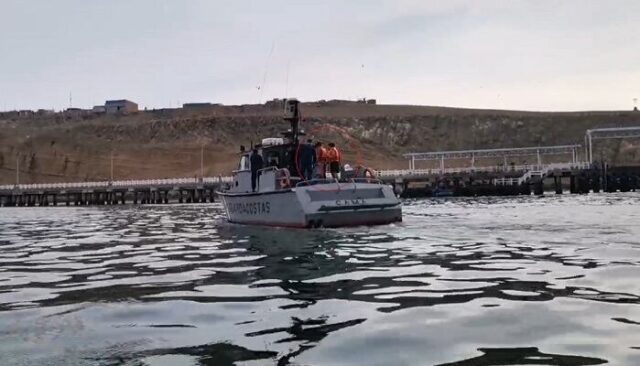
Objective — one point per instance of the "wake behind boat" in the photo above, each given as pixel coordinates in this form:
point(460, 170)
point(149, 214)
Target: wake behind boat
point(284, 199)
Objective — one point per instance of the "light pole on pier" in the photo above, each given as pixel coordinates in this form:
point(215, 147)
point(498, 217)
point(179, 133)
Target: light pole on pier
point(17, 170)
point(26, 143)
point(202, 161)
point(111, 173)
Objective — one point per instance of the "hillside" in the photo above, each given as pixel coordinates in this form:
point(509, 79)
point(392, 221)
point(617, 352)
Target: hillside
point(167, 143)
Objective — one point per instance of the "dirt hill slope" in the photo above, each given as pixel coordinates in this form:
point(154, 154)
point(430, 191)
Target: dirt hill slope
point(167, 143)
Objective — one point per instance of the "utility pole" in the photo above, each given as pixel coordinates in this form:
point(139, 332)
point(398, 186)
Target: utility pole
point(17, 170)
point(605, 180)
point(590, 146)
point(111, 175)
point(202, 161)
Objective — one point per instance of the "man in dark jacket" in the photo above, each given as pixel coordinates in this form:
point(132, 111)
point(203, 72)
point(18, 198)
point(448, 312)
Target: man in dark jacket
point(307, 159)
point(256, 164)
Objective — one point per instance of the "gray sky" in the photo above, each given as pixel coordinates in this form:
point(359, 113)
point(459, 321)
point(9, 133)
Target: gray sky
point(536, 55)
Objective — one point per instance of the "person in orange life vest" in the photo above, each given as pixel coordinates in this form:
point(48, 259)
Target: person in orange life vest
point(321, 161)
point(333, 157)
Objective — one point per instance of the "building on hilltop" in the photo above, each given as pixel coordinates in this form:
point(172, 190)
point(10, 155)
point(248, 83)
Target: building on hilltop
point(99, 109)
point(198, 105)
point(76, 112)
point(120, 106)
point(45, 112)
point(366, 101)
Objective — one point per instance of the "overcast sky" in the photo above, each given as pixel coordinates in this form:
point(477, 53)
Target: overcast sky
point(535, 55)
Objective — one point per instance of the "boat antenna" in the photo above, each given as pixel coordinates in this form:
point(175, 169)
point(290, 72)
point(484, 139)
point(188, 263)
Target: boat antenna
point(264, 75)
point(286, 85)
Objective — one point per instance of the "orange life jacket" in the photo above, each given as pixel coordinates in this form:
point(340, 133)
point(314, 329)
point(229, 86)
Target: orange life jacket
point(321, 155)
point(333, 155)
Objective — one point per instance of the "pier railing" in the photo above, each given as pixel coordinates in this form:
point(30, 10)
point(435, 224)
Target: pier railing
point(539, 172)
point(478, 169)
point(124, 184)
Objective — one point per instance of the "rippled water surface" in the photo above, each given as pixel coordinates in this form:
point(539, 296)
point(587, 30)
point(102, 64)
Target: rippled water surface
point(518, 281)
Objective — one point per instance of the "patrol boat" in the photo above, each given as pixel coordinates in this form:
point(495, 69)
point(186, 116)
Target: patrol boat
point(283, 198)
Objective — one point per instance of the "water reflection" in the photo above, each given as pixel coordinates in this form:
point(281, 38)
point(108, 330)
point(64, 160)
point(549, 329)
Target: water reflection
point(177, 285)
point(217, 354)
point(524, 356)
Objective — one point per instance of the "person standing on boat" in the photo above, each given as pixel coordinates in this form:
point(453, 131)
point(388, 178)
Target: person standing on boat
point(333, 157)
point(256, 164)
point(321, 161)
point(307, 160)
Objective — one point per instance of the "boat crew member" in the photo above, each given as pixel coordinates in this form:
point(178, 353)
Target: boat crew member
point(307, 160)
point(321, 161)
point(256, 164)
point(333, 157)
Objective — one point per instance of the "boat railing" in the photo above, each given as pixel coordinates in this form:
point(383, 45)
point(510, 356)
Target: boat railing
point(317, 181)
point(367, 180)
point(267, 169)
point(280, 177)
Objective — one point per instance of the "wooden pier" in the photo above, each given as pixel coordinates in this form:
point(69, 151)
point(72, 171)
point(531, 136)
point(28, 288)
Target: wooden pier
point(576, 178)
point(498, 180)
point(160, 191)
point(561, 170)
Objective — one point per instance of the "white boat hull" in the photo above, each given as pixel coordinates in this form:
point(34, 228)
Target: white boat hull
point(322, 205)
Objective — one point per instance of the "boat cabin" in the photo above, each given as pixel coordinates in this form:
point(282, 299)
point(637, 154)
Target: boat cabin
point(279, 155)
point(279, 169)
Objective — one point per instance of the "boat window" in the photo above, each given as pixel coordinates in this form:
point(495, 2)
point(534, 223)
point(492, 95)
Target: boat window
point(244, 163)
point(273, 158)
